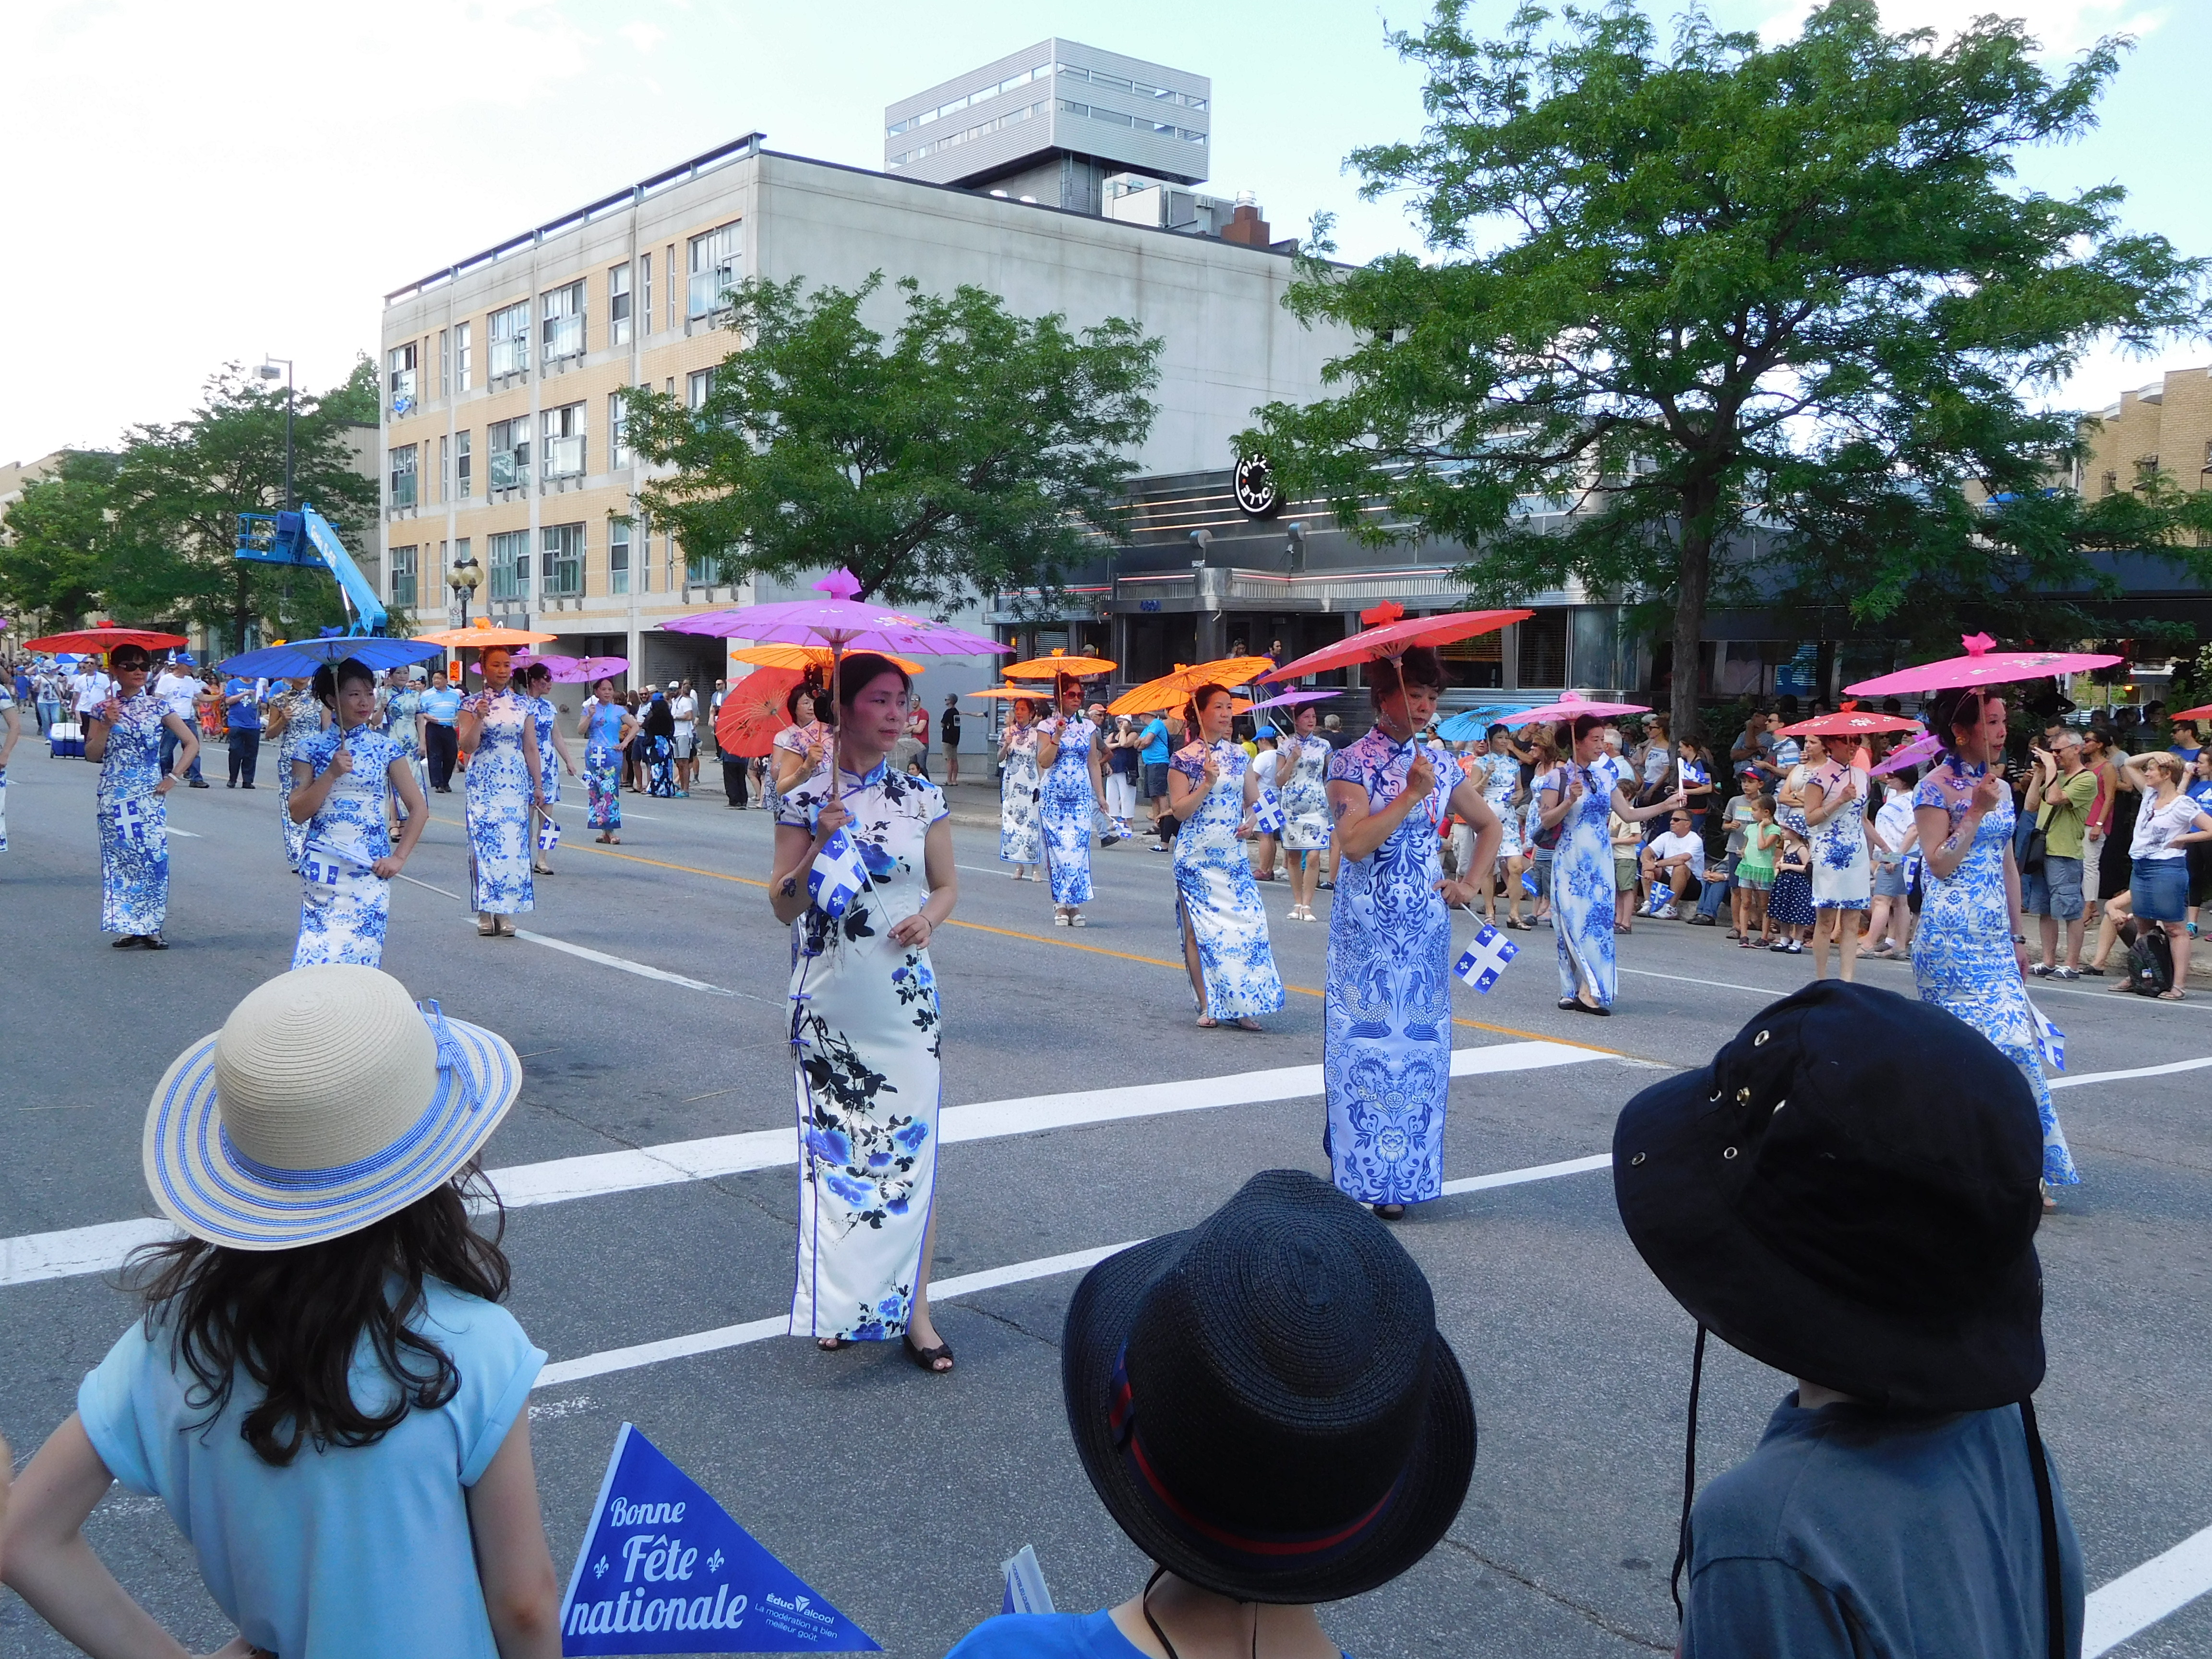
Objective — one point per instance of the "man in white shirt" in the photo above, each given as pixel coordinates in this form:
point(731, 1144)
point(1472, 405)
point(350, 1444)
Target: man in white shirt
point(90, 688)
point(1673, 862)
point(176, 690)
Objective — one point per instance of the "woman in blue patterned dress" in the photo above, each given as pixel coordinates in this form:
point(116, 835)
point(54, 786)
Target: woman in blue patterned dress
point(553, 758)
point(1843, 868)
point(864, 1028)
point(606, 729)
point(1577, 796)
point(1068, 792)
point(403, 722)
point(348, 778)
point(500, 733)
point(7, 747)
point(1386, 1035)
point(1302, 767)
point(1212, 789)
point(124, 734)
point(1021, 820)
point(1970, 955)
point(1499, 772)
point(294, 718)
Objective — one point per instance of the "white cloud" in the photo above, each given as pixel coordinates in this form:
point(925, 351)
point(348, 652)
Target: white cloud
point(642, 35)
point(2064, 27)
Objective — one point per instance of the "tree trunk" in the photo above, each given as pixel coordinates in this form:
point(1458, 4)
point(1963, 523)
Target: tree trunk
point(1693, 582)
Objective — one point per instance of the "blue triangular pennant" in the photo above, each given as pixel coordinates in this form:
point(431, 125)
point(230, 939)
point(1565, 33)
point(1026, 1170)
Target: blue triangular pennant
point(663, 1569)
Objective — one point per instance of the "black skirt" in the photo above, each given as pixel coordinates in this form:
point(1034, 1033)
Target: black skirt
point(2115, 869)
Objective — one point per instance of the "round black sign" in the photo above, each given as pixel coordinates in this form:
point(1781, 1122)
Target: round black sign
point(1256, 494)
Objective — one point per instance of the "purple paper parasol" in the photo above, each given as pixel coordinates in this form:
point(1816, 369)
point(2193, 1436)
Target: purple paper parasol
point(1926, 747)
point(839, 621)
point(574, 671)
point(1568, 708)
point(1291, 699)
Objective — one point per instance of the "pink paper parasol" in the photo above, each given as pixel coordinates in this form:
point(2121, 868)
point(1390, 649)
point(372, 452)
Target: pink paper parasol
point(1849, 723)
point(1981, 665)
point(1390, 632)
point(574, 671)
point(1568, 708)
point(1293, 699)
point(1920, 749)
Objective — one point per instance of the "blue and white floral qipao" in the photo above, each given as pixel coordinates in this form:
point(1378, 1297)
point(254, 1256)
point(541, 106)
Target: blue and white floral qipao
point(1069, 804)
point(7, 703)
point(1217, 900)
point(134, 823)
point(1962, 955)
point(303, 721)
point(345, 905)
point(1581, 879)
point(865, 1037)
point(1021, 819)
point(1842, 870)
point(1386, 1043)
point(548, 755)
point(1302, 767)
point(498, 807)
point(1501, 778)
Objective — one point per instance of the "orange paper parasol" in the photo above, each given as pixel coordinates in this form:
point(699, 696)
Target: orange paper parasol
point(1170, 690)
point(1012, 693)
point(1059, 663)
point(801, 658)
point(753, 712)
point(480, 635)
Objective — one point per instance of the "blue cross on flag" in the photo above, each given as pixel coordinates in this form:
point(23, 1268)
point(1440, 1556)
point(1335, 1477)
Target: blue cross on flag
point(1267, 816)
point(2049, 1039)
point(1486, 958)
point(549, 834)
point(837, 875)
point(132, 821)
point(663, 1569)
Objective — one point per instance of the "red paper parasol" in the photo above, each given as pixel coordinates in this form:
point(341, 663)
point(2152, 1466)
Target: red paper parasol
point(2202, 713)
point(1391, 632)
point(1982, 665)
point(1849, 723)
point(105, 637)
point(1568, 708)
point(1015, 693)
point(1293, 699)
point(753, 712)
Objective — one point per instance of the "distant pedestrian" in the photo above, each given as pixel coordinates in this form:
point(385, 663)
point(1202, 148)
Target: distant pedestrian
point(1070, 757)
point(441, 709)
point(606, 729)
point(500, 732)
point(683, 718)
point(176, 687)
point(241, 714)
point(7, 748)
point(294, 717)
point(948, 732)
point(553, 759)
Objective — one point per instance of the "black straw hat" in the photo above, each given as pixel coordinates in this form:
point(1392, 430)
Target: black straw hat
point(1849, 1193)
point(1263, 1401)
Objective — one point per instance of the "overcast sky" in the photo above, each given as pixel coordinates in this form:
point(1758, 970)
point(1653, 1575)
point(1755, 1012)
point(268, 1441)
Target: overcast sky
point(192, 183)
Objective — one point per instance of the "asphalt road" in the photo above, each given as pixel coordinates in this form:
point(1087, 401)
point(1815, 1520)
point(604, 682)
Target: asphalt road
point(648, 1008)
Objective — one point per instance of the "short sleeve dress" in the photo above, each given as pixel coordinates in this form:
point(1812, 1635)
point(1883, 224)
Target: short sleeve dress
point(499, 806)
point(1217, 901)
point(1021, 819)
point(1304, 771)
point(345, 904)
point(134, 823)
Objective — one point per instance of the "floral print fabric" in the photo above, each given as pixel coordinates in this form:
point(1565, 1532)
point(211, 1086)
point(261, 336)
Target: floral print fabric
point(344, 920)
point(499, 806)
point(1218, 902)
point(1582, 892)
point(1021, 818)
point(303, 720)
point(1842, 870)
point(1500, 776)
point(548, 758)
point(1303, 768)
point(1068, 804)
point(865, 1044)
point(134, 823)
point(1386, 1043)
point(603, 767)
point(1962, 955)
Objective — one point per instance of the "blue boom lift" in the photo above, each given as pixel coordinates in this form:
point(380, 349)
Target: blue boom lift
point(305, 537)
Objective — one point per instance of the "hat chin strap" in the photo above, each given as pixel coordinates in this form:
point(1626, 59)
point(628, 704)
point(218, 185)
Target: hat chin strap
point(1689, 1474)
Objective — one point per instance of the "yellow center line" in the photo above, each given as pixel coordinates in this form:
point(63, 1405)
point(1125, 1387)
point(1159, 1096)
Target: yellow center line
point(1093, 950)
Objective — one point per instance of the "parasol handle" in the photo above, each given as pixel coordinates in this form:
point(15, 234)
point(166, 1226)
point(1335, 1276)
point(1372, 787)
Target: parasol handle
point(836, 731)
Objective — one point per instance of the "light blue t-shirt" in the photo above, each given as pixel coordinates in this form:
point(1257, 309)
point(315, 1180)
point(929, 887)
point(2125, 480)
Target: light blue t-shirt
point(1049, 1636)
point(1155, 743)
point(353, 1552)
point(443, 707)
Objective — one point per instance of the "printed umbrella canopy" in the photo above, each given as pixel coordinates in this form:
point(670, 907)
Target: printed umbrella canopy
point(1390, 632)
point(1568, 708)
point(1849, 723)
point(1920, 749)
point(1293, 699)
point(480, 635)
point(1473, 725)
point(1014, 693)
point(105, 636)
point(294, 658)
point(1983, 665)
point(1171, 689)
point(1060, 663)
point(801, 657)
point(566, 671)
point(2200, 714)
point(753, 712)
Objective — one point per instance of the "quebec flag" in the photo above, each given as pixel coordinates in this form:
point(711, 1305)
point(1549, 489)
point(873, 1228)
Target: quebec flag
point(1486, 958)
point(837, 875)
point(663, 1569)
point(2049, 1039)
point(1268, 815)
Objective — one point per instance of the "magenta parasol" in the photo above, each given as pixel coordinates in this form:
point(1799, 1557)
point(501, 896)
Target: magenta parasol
point(1983, 665)
point(1920, 749)
point(1293, 699)
point(1568, 708)
point(574, 671)
point(1849, 723)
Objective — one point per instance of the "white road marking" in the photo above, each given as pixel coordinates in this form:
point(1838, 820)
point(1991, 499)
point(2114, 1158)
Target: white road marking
point(571, 806)
point(189, 834)
point(2167, 1070)
point(1768, 992)
point(2135, 1601)
point(100, 1249)
point(1536, 1172)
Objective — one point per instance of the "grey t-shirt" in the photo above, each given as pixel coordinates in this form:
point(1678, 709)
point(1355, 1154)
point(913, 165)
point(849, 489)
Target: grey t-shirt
point(1853, 1533)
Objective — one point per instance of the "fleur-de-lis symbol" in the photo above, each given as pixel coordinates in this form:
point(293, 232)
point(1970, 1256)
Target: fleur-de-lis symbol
point(599, 1568)
point(715, 1562)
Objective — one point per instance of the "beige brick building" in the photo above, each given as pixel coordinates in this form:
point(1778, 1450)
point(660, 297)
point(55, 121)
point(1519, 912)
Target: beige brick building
point(2166, 427)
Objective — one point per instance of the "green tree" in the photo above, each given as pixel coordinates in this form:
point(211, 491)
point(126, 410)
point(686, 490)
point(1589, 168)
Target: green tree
point(1693, 292)
point(969, 454)
point(61, 556)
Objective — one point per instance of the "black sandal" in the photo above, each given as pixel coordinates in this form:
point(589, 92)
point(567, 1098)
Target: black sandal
point(154, 942)
point(927, 1359)
point(1389, 1212)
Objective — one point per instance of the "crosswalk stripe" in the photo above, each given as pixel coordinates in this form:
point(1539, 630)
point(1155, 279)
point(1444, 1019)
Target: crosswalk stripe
point(2135, 1601)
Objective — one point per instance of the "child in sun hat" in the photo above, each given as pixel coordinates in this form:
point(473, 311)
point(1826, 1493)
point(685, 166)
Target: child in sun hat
point(324, 1390)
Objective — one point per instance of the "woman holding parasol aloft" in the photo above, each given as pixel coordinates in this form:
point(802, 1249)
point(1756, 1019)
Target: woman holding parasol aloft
point(1071, 756)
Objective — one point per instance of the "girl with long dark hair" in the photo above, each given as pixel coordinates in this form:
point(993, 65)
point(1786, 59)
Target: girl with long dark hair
point(345, 782)
point(324, 1389)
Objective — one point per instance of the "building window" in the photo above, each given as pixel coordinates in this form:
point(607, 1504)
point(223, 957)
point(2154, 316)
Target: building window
point(1543, 641)
point(2146, 472)
point(2111, 483)
point(403, 475)
point(698, 387)
point(510, 566)
point(618, 305)
point(717, 266)
point(700, 569)
point(564, 322)
point(445, 363)
point(463, 481)
point(564, 441)
point(617, 429)
point(510, 340)
point(445, 469)
point(563, 549)
point(403, 576)
point(403, 379)
point(645, 290)
point(618, 557)
point(675, 289)
point(463, 357)
point(509, 441)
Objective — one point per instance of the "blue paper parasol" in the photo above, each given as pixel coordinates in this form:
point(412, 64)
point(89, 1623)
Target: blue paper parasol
point(298, 658)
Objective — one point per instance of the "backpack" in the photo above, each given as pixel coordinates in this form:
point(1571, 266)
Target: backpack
point(2150, 963)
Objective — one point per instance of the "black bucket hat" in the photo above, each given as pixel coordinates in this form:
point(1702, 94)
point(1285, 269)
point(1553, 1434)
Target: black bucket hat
point(1850, 1193)
point(1263, 1401)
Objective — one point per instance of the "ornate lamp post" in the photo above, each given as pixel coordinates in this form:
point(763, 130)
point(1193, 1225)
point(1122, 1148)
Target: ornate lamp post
point(464, 578)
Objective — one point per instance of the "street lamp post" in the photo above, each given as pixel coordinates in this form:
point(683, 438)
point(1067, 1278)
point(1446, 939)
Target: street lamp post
point(464, 578)
point(268, 371)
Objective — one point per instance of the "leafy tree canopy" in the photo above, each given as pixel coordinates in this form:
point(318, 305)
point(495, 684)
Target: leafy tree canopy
point(1697, 291)
point(969, 454)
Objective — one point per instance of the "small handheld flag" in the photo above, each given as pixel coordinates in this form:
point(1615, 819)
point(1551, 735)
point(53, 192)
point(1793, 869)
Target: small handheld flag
point(320, 867)
point(2049, 1039)
point(1267, 816)
point(663, 1569)
point(549, 834)
point(837, 875)
point(1486, 958)
point(132, 821)
point(1026, 1590)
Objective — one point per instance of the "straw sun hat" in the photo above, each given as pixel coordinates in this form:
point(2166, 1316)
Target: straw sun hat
point(328, 1101)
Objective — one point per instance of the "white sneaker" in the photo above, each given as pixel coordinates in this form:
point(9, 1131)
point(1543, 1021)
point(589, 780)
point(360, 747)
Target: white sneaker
point(1669, 913)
